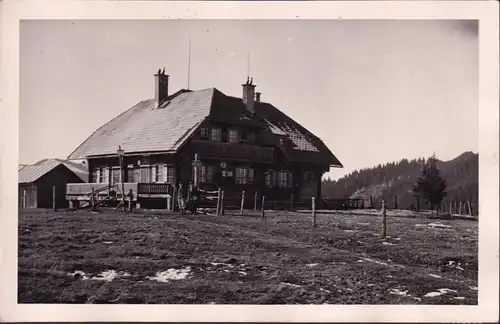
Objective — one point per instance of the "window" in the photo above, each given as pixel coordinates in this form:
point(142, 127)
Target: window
point(233, 136)
point(284, 179)
point(244, 175)
point(95, 176)
point(308, 176)
point(269, 178)
point(115, 175)
point(204, 132)
point(169, 174)
point(227, 174)
point(207, 173)
point(103, 175)
point(130, 174)
point(216, 134)
point(157, 173)
point(243, 136)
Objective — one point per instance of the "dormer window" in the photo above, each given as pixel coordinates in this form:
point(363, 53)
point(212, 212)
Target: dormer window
point(282, 141)
point(204, 132)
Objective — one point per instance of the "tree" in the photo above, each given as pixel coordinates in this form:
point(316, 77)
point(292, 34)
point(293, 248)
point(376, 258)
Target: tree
point(430, 186)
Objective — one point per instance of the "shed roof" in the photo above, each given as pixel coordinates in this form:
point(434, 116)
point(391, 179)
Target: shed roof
point(145, 128)
point(32, 172)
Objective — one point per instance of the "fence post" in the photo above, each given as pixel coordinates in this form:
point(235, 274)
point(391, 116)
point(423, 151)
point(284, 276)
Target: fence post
point(384, 220)
point(470, 208)
point(218, 202)
point(291, 201)
point(92, 200)
point(53, 198)
point(242, 201)
point(460, 208)
point(371, 202)
point(255, 202)
point(262, 207)
point(396, 202)
point(450, 209)
point(313, 208)
point(222, 202)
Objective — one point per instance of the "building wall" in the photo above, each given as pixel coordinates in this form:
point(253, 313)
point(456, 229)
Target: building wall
point(58, 177)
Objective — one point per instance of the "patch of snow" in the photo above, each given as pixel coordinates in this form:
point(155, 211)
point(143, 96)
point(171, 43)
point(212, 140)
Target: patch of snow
point(434, 275)
point(243, 273)
point(375, 261)
point(420, 225)
point(370, 285)
point(325, 290)
point(171, 274)
point(473, 288)
point(107, 242)
point(349, 231)
point(291, 285)
point(387, 243)
point(440, 292)
point(365, 224)
point(397, 238)
point(106, 275)
point(455, 265)
point(396, 291)
point(438, 225)
point(389, 276)
point(312, 265)
point(225, 270)
point(360, 261)
point(459, 298)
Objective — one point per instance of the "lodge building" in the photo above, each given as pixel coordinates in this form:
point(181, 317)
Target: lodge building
point(241, 143)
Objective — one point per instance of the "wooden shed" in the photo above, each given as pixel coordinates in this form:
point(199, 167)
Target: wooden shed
point(38, 181)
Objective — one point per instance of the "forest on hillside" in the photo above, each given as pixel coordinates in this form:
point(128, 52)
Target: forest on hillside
point(395, 179)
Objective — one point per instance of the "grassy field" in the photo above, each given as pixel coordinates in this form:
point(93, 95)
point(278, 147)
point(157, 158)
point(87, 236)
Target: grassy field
point(65, 257)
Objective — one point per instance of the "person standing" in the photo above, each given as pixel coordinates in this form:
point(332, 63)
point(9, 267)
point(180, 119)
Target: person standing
point(180, 199)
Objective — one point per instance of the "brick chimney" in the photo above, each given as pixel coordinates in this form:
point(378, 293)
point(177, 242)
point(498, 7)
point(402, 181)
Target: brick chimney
point(249, 95)
point(161, 86)
point(257, 96)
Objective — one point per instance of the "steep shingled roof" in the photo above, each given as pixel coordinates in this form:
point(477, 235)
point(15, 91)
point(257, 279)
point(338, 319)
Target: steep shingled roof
point(146, 129)
point(32, 172)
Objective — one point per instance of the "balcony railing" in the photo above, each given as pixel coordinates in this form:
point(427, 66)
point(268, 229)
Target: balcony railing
point(244, 152)
point(151, 190)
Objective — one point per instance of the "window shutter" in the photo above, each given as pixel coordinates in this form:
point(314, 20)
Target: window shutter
point(153, 173)
point(98, 176)
point(164, 173)
point(106, 175)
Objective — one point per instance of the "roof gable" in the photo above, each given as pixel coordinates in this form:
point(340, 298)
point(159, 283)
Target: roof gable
point(33, 172)
point(145, 128)
point(306, 146)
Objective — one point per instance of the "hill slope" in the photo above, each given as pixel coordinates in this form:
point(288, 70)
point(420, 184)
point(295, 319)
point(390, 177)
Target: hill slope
point(396, 179)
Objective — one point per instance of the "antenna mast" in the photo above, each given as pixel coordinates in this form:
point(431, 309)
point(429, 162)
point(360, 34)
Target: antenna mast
point(189, 63)
point(248, 67)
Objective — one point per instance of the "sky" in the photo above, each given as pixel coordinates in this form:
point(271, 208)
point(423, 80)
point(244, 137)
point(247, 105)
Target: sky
point(374, 91)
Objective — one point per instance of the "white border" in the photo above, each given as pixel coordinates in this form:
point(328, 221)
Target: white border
point(486, 12)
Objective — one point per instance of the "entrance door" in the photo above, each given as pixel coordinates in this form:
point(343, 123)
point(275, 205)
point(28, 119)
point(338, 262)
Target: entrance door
point(28, 197)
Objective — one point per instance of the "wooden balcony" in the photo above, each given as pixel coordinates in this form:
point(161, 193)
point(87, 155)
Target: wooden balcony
point(241, 152)
point(83, 191)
